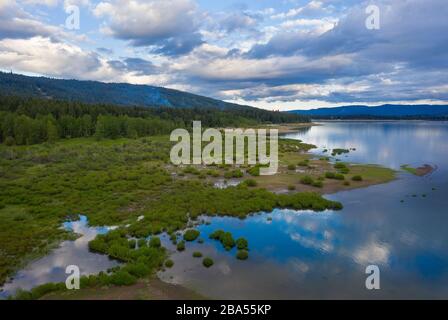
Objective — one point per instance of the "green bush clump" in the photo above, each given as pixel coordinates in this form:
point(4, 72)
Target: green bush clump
point(318, 184)
point(237, 173)
point(307, 180)
point(216, 235)
point(180, 246)
point(10, 141)
point(191, 235)
point(242, 244)
point(207, 262)
point(333, 175)
point(344, 170)
point(340, 165)
point(39, 291)
point(291, 166)
point(142, 243)
point(291, 187)
point(122, 278)
point(225, 238)
point(169, 263)
point(357, 178)
point(304, 163)
point(250, 183)
point(132, 243)
point(254, 171)
point(242, 255)
point(154, 242)
point(227, 241)
point(339, 151)
point(197, 254)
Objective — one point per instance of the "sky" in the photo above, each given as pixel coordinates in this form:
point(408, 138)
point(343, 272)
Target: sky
point(272, 54)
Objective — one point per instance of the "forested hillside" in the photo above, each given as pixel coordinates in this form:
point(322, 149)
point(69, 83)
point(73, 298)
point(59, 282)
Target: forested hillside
point(387, 111)
point(110, 93)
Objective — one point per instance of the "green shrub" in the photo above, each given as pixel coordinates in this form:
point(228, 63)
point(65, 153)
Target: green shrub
point(329, 175)
point(207, 262)
point(242, 255)
point(138, 270)
point(339, 151)
point(9, 141)
point(303, 163)
point(154, 242)
point(197, 254)
point(307, 180)
point(216, 235)
point(181, 246)
point(132, 243)
point(357, 178)
point(191, 235)
point(318, 184)
point(122, 278)
point(254, 171)
point(333, 175)
point(291, 166)
point(242, 243)
point(142, 243)
point(340, 165)
point(291, 187)
point(169, 263)
point(250, 183)
point(227, 240)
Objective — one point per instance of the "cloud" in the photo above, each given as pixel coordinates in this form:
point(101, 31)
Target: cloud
point(136, 65)
point(236, 21)
point(169, 25)
point(15, 23)
point(43, 56)
point(48, 3)
point(317, 52)
point(312, 8)
point(372, 253)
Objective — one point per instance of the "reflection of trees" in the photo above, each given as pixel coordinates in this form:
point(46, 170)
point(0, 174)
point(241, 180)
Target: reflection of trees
point(303, 129)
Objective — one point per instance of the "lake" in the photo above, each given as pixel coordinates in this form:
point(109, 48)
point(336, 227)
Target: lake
point(401, 226)
point(51, 268)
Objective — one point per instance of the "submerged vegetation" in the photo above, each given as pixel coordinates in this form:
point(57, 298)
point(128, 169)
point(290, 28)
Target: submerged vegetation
point(191, 235)
point(208, 262)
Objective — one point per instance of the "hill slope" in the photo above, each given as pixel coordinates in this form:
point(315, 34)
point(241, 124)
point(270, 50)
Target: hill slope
point(109, 93)
point(383, 111)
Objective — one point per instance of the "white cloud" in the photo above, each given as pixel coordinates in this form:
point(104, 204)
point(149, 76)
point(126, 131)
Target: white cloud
point(372, 253)
point(41, 55)
point(148, 22)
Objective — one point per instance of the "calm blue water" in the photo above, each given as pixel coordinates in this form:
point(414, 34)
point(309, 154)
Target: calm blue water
point(324, 255)
point(51, 268)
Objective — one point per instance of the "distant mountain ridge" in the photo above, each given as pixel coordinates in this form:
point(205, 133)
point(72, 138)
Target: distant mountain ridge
point(108, 93)
point(383, 111)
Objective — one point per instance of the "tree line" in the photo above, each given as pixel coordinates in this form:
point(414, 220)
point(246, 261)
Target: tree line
point(25, 121)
